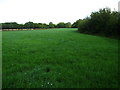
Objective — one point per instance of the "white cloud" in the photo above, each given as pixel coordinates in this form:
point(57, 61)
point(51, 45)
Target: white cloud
point(45, 11)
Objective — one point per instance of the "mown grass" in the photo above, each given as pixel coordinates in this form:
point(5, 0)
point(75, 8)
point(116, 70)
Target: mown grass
point(58, 58)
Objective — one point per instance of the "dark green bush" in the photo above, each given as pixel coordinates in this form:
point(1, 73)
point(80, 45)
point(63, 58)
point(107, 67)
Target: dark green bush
point(104, 22)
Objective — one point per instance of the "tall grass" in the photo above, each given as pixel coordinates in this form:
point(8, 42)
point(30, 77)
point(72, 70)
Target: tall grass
point(58, 58)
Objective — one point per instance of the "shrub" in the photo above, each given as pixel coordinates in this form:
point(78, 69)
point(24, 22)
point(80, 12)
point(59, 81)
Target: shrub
point(104, 22)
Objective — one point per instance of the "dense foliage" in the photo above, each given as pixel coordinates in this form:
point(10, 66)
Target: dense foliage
point(76, 24)
point(31, 25)
point(104, 22)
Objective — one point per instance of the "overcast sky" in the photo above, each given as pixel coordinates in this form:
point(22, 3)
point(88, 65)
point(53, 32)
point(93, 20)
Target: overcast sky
point(46, 11)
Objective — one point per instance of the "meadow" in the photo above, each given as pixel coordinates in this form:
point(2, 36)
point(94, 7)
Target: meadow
point(58, 58)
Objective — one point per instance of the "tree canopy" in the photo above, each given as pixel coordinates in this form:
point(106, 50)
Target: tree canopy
point(104, 22)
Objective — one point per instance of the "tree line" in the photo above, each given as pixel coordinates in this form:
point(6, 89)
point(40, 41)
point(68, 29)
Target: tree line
point(103, 22)
point(31, 25)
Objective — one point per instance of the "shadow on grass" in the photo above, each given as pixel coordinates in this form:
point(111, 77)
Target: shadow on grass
point(116, 38)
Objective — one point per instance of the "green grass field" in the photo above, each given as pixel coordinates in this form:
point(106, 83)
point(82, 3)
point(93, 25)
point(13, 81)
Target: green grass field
point(0, 59)
point(58, 58)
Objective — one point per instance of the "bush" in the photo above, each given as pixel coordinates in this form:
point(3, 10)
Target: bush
point(104, 22)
